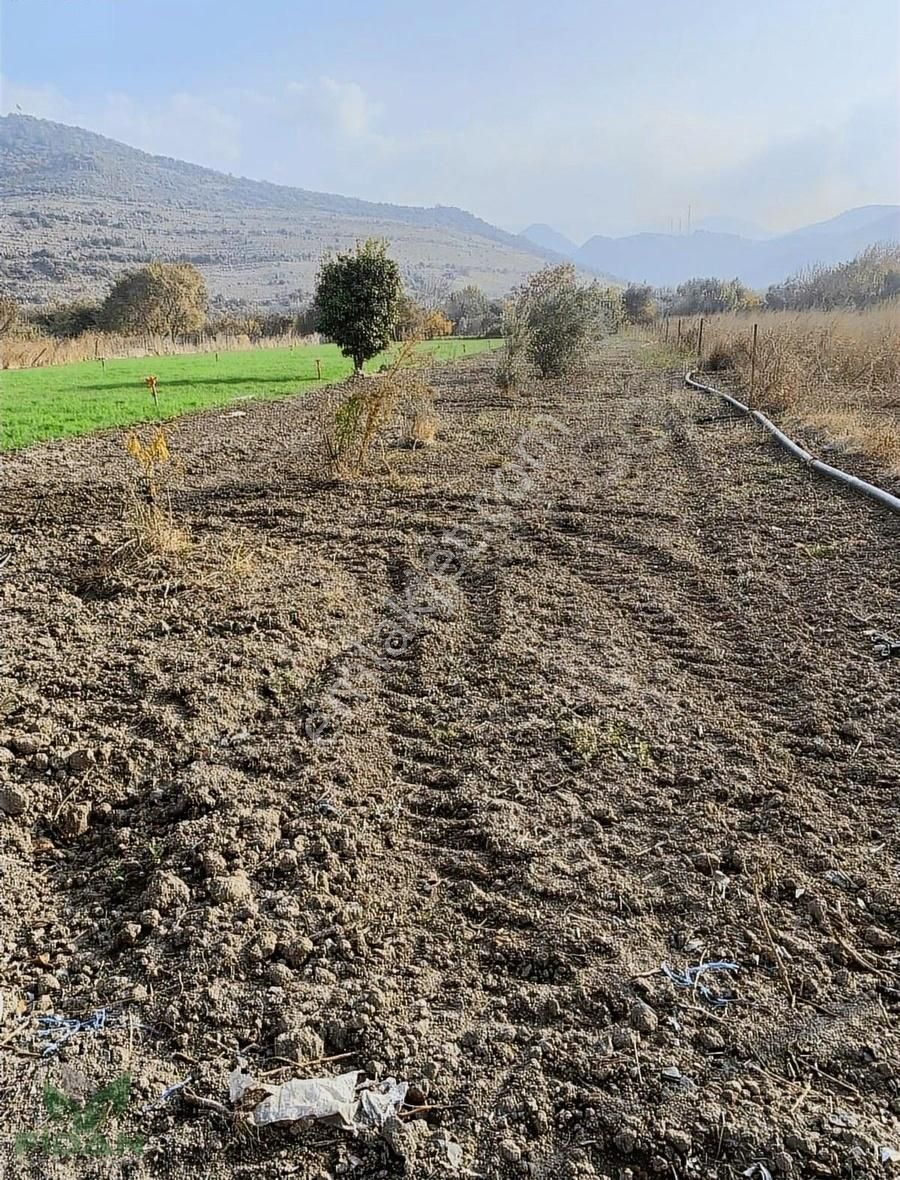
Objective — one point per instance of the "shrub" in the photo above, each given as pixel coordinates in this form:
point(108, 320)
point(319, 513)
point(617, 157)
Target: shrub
point(511, 365)
point(66, 320)
point(562, 318)
point(709, 296)
point(871, 278)
point(168, 299)
point(357, 296)
point(436, 325)
point(358, 413)
point(153, 530)
point(638, 304)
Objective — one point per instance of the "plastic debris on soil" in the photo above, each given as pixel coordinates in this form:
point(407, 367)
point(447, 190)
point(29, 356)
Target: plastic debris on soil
point(56, 1031)
point(340, 1098)
point(690, 978)
point(379, 1101)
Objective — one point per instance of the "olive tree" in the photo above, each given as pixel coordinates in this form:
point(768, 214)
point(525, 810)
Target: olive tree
point(358, 300)
point(563, 318)
point(164, 298)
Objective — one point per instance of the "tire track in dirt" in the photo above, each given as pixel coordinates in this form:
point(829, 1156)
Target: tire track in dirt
point(648, 706)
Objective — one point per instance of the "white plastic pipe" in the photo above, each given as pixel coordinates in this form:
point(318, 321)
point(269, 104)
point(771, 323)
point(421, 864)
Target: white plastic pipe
point(860, 485)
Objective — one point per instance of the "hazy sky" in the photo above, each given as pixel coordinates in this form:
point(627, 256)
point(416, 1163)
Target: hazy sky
point(598, 116)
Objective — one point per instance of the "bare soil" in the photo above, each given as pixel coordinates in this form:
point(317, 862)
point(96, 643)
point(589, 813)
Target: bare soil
point(606, 700)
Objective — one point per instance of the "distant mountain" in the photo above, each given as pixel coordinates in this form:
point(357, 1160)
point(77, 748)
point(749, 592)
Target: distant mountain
point(666, 259)
point(551, 239)
point(733, 225)
point(867, 219)
point(77, 208)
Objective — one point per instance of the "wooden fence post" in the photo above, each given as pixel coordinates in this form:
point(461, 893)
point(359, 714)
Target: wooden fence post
point(753, 362)
point(700, 345)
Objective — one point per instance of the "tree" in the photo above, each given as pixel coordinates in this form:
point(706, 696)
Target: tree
point(410, 318)
point(468, 309)
point(164, 298)
point(708, 296)
point(437, 324)
point(357, 297)
point(562, 318)
point(637, 300)
point(68, 319)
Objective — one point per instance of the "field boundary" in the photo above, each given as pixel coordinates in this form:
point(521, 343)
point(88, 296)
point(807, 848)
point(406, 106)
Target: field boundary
point(886, 499)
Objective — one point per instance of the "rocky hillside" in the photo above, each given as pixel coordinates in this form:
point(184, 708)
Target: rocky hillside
point(77, 208)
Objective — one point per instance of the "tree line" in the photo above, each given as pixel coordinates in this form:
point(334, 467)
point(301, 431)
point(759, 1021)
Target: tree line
point(171, 300)
point(871, 278)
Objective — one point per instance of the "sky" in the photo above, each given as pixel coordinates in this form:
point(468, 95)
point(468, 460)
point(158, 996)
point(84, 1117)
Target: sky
point(595, 116)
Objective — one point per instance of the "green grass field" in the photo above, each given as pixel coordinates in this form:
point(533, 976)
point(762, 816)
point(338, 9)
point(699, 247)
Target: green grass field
point(64, 400)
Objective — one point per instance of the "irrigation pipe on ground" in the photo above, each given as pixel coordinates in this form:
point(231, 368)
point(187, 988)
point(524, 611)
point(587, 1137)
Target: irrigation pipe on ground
point(860, 485)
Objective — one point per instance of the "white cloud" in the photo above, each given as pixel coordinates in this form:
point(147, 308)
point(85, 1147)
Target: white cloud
point(340, 106)
point(610, 170)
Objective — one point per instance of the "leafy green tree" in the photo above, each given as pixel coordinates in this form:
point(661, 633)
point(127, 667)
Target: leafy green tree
point(164, 298)
point(357, 300)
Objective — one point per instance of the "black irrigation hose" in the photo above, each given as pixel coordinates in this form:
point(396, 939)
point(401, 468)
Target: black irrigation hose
point(860, 485)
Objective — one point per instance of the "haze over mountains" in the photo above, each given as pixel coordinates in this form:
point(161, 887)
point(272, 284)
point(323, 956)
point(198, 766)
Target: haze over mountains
point(77, 208)
point(668, 259)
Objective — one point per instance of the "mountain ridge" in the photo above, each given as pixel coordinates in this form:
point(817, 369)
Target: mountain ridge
point(76, 208)
point(668, 259)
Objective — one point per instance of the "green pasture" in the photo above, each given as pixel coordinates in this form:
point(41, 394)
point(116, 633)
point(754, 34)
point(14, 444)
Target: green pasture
point(64, 400)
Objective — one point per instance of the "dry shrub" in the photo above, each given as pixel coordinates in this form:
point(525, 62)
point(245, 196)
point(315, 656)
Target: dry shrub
point(422, 429)
point(152, 529)
point(358, 414)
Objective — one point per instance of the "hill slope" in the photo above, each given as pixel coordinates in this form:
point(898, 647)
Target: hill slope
point(77, 208)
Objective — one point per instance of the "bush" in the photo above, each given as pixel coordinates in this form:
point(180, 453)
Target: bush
point(709, 296)
point(638, 304)
point(66, 320)
point(436, 325)
point(357, 297)
point(562, 318)
point(511, 366)
point(871, 278)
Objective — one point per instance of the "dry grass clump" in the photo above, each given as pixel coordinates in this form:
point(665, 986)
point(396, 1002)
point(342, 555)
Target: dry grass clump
point(422, 429)
point(30, 352)
point(837, 371)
